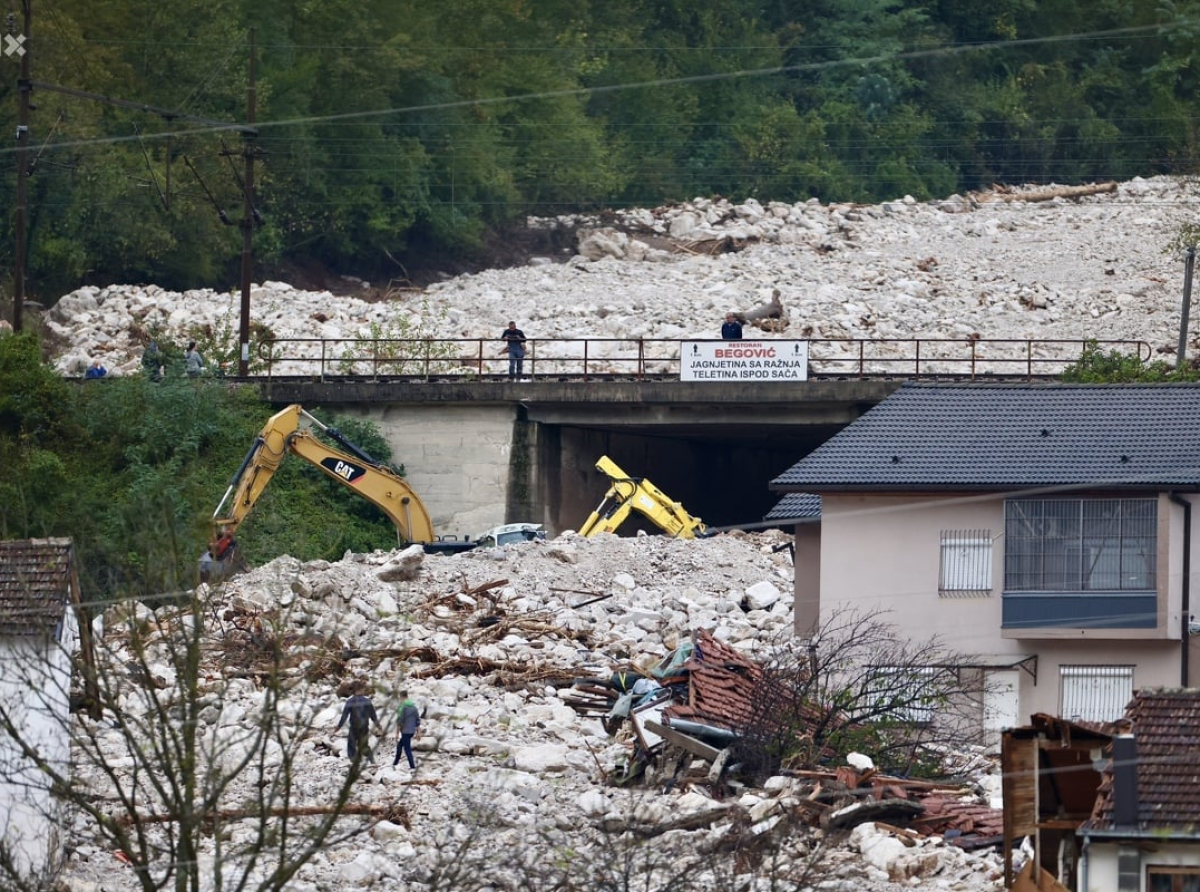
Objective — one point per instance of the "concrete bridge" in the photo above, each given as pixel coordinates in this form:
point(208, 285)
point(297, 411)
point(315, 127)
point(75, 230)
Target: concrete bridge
point(485, 453)
point(482, 450)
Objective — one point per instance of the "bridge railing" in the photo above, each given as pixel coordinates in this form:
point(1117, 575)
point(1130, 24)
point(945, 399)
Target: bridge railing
point(655, 358)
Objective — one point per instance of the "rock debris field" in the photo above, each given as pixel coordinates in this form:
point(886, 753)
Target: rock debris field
point(504, 760)
point(997, 265)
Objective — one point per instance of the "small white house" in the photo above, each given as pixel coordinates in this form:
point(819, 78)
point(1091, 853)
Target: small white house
point(38, 634)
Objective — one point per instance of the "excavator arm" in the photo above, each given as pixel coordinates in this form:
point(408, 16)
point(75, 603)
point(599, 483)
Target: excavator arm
point(626, 494)
point(281, 436)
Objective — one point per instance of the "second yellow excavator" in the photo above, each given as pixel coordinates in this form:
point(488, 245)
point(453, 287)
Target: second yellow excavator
point(626, 494)
point(351, 466)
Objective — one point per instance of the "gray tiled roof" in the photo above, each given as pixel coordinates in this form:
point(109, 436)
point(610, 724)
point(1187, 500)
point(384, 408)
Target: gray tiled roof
point(35, 584)
point(797, 506)
point(986, 436)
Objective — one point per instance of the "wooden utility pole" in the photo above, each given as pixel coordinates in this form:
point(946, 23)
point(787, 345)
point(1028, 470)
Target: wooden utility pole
point(1189, 263)
point(249, 215)
point(24, 88)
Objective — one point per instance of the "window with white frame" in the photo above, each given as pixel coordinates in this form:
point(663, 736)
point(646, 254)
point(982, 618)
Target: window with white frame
point(1078, 545)
point(1094, 693)
point(966, 564)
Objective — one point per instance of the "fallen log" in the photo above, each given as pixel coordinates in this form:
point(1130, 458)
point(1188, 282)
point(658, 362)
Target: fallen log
point(646, 830)
point(397, 814)
point(1051, 194)
point(861, 812)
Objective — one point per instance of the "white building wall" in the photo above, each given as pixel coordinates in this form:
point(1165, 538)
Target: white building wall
point(883, 554)
point(1098, 872)
point(35, 691)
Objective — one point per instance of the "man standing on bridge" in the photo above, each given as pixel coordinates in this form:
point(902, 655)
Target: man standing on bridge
point(516, 349)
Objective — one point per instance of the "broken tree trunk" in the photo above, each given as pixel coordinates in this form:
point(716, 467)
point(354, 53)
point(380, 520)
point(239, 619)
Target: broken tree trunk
point(768, 316)
point(873, 810)
point(1050, 194)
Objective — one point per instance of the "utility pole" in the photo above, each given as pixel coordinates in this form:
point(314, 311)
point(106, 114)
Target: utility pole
point(249, 218)
point(24, 88)
point(1189, 263)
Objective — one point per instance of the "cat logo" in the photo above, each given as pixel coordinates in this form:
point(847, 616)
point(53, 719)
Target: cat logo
point(347, 471)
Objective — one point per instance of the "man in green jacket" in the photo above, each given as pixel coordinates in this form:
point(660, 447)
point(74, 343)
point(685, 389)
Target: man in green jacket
point(410, 724)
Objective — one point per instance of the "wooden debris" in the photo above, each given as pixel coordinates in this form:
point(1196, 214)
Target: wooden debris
point(1048, 194)
point(869, 810)
point(616, 824)
point(683, 741)
point(395, 813)
point(768, 316)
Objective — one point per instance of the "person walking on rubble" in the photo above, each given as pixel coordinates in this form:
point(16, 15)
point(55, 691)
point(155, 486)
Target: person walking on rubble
point(360, 711)
point(410, 726)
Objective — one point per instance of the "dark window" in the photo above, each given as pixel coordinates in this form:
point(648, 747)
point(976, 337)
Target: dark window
point(1172, 879)
point(1080, 545)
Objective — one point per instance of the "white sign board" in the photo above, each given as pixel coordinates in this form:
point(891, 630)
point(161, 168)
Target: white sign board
point(744, 361)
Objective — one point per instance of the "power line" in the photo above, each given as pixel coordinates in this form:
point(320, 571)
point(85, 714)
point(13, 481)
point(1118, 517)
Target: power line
point(945, 50)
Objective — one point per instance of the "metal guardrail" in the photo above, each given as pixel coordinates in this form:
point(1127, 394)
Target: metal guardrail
point(584, 359)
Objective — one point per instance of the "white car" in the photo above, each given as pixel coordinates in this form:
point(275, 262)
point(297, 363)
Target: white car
point(510, 533)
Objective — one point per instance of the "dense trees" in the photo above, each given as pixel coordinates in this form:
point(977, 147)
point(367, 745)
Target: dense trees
point(395, 133)
point(131, 469)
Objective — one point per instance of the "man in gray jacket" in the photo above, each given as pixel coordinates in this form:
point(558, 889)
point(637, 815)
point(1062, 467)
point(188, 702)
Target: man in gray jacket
point(410, 724)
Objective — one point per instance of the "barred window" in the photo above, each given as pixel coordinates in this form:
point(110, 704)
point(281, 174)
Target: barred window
point(1078, 545)
point(1095, 693)
point(966, 566)
point(907, 694)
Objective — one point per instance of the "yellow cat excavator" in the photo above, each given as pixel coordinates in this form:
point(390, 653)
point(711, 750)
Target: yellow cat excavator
point(627, 494)
point(350, 466)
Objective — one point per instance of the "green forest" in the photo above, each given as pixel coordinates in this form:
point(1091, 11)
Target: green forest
point(391, 136)
point(132, 469)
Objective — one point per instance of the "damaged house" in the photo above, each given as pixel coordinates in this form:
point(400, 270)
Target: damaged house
point(1144, 834)
point(1045, 531)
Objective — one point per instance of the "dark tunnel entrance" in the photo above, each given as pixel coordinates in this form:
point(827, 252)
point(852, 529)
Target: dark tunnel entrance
point(719, 473)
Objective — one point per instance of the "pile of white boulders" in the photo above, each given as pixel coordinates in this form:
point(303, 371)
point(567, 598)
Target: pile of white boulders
point(981, 266)
point(502, 765)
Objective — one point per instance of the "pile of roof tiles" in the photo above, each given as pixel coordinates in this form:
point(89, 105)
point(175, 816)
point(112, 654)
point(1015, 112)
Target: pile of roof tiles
point(720, 684)
point(709, 687)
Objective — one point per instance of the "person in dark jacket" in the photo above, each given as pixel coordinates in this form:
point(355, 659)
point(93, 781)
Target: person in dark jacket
point(361, 713)
point(515, 339)
point(732, 329)
point(96, 370)
point(410, 724)
point(152, 361)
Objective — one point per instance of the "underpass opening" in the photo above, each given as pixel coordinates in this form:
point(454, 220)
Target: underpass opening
point(720, 474)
